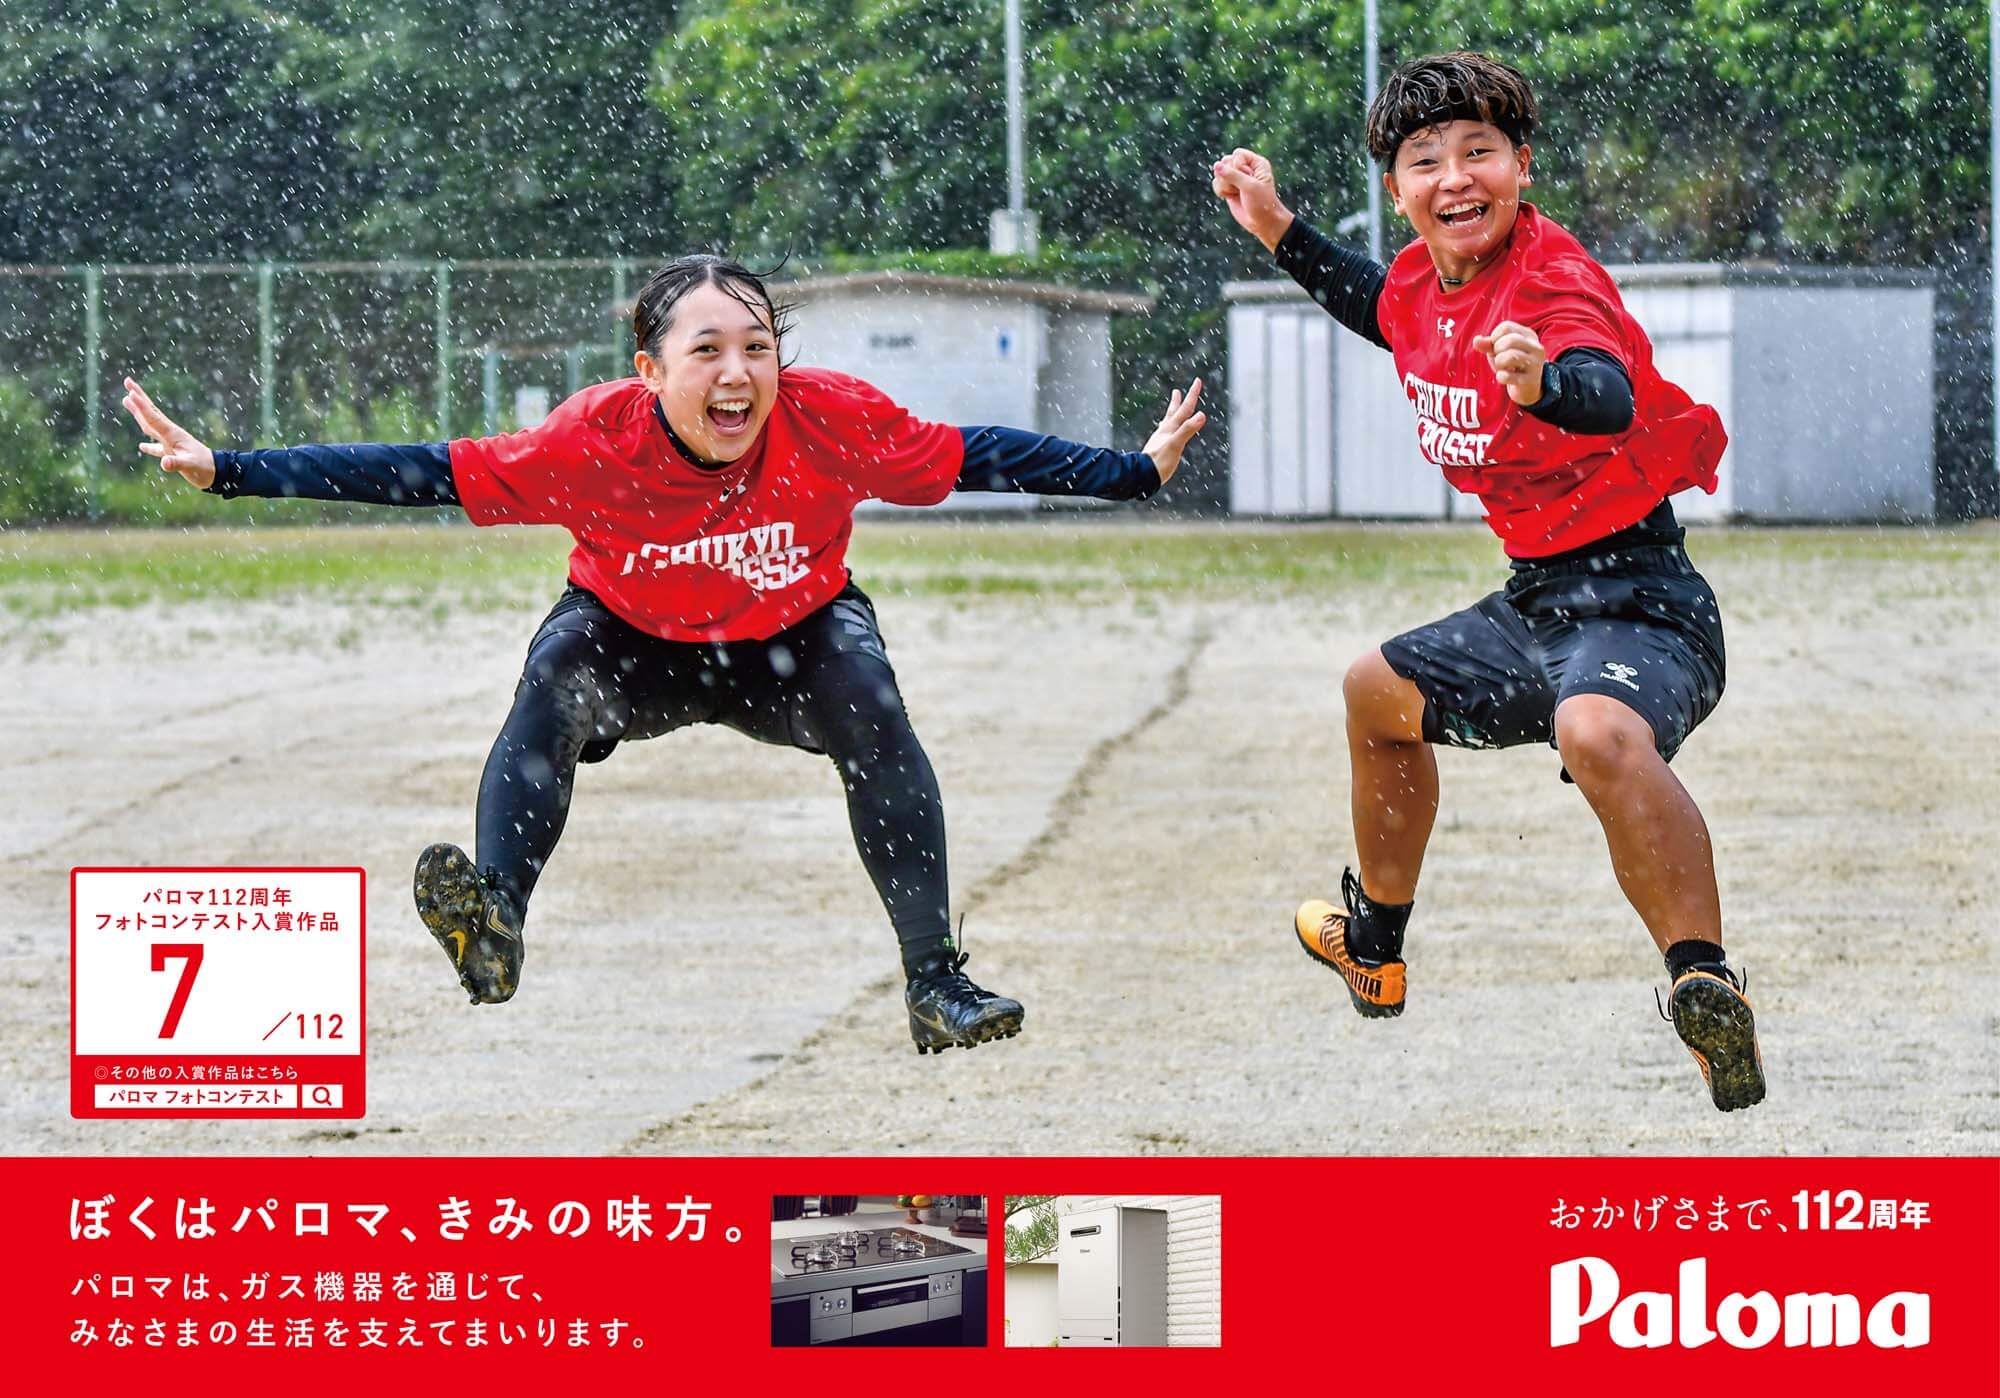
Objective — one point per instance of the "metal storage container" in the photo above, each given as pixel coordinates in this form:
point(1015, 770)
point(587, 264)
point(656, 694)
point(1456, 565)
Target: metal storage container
point(963, 350)
point(1823, 376)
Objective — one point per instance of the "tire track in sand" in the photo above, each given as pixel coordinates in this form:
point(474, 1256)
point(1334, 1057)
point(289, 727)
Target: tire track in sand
point(1056, 829)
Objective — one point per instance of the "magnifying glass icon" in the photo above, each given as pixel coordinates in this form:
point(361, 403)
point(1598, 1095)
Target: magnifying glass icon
point(322, 1095)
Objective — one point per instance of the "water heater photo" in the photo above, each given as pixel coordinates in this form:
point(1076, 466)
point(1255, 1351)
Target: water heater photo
point(1111, 1277)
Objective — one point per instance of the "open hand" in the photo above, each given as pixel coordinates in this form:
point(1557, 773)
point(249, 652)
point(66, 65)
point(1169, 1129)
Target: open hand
point(1515, 352)
point(1175, 431)
point(175, 446)
point(1243, 180)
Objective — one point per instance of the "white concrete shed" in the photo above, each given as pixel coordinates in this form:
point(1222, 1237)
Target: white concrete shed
point(1823, 377)
point(968, 350)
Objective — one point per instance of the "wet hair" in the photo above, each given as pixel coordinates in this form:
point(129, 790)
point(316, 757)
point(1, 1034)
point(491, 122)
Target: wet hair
point(1442, 87)
point(653, 311)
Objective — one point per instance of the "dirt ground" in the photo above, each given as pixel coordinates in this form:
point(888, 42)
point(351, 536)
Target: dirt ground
point(1139, 789)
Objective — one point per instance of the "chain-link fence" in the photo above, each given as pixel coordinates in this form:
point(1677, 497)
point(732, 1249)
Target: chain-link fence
point(250, 353)
point(267, 352)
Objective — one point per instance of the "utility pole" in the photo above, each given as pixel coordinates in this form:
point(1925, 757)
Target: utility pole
point(1371, 60)
point(1013, 229)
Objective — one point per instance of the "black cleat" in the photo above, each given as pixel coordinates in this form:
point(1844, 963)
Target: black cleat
point(478, 925)
point(1708, 1010)
point(947, 1009)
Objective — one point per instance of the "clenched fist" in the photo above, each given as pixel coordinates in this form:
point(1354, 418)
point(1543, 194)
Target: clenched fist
point(1515, 352)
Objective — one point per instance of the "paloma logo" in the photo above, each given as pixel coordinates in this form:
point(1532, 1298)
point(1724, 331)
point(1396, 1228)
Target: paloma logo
point(1584, 1291)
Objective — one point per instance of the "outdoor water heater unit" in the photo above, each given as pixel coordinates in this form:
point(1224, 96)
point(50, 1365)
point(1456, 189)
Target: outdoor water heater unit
point(1111, 1277)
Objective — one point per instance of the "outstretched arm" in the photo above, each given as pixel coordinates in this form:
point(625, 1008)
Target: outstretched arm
point(1349, 284)
point(1009, 459)
point(364, 473)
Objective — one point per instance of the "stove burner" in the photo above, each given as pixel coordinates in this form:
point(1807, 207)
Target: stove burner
point(821, 1252)
point(857, 1248)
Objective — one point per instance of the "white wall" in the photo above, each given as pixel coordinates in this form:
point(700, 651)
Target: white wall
point(1030, 1303)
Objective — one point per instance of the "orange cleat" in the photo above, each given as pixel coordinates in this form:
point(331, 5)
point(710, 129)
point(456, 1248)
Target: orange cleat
point(1376, 987)
point(1713, 1018)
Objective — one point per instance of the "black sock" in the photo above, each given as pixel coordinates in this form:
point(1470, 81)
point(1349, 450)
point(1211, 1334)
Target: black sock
point(1683, 956)
point(507, 887)
point(926, 955)
point(1375, 932)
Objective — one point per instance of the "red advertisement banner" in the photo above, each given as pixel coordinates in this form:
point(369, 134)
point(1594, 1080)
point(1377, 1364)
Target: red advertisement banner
point(1841, 1276)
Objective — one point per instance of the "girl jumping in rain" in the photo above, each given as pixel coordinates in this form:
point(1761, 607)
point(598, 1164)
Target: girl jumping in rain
point(711, 499)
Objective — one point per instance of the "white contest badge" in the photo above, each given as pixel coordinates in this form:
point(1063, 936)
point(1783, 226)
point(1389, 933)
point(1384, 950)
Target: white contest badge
point(217, 992)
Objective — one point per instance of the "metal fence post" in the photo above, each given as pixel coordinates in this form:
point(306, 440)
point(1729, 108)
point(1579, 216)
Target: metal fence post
point(489, 388)
point(617, 311)
point(267, 388)
point(93, 337)
point(444, 350)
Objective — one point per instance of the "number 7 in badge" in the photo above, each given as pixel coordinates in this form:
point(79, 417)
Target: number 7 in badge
point(224, 992)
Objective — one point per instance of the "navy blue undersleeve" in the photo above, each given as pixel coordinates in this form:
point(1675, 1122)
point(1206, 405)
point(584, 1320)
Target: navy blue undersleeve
point(366, 473)
point(1347, 283)
point(1008, 459)
point(1593, 393)
point(374, 473)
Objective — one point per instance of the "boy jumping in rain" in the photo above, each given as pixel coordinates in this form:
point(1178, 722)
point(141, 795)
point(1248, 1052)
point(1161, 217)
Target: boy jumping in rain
point(1535, 390)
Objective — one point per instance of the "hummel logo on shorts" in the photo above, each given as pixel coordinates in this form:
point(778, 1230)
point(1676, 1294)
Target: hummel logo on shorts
point(1620, 674)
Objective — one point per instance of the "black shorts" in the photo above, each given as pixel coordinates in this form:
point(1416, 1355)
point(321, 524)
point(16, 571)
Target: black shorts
point(1639, 624)
point(654, 686)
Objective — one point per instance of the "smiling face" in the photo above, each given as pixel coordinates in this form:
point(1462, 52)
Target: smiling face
point(715, 370)
point(1459, 184)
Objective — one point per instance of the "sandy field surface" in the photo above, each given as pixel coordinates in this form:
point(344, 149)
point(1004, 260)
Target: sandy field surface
point(1140, 786)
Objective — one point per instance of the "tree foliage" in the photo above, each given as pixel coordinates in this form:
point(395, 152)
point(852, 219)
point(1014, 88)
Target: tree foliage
point(1799, 129)
point(495, 130)
point(1812, 130)
point(1847, 131)
point(1031, 1227)
point(155, 130)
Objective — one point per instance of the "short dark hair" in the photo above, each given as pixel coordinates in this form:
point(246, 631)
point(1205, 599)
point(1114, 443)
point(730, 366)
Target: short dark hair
point(653, 311)
point(1442, 87)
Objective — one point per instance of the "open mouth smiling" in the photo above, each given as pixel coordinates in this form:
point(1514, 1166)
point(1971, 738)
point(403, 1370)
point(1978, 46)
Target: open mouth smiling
point(1459, 215)
point(729, 415)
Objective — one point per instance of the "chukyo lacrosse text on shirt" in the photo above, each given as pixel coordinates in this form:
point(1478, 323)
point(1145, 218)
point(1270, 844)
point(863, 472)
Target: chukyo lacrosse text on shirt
point(689, 553)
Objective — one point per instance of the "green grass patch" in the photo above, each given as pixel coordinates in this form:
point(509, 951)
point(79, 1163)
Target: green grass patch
point(54, 571)
point(1075, 557)
point(437, 567)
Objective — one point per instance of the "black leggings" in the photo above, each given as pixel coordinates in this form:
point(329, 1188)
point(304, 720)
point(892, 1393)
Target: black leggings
point(824, 684)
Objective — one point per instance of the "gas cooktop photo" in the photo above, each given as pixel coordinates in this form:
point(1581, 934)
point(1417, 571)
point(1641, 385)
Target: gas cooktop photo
point(856, 1249)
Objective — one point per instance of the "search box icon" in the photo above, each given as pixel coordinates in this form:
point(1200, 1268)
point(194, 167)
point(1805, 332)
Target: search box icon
point(323, 1095)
